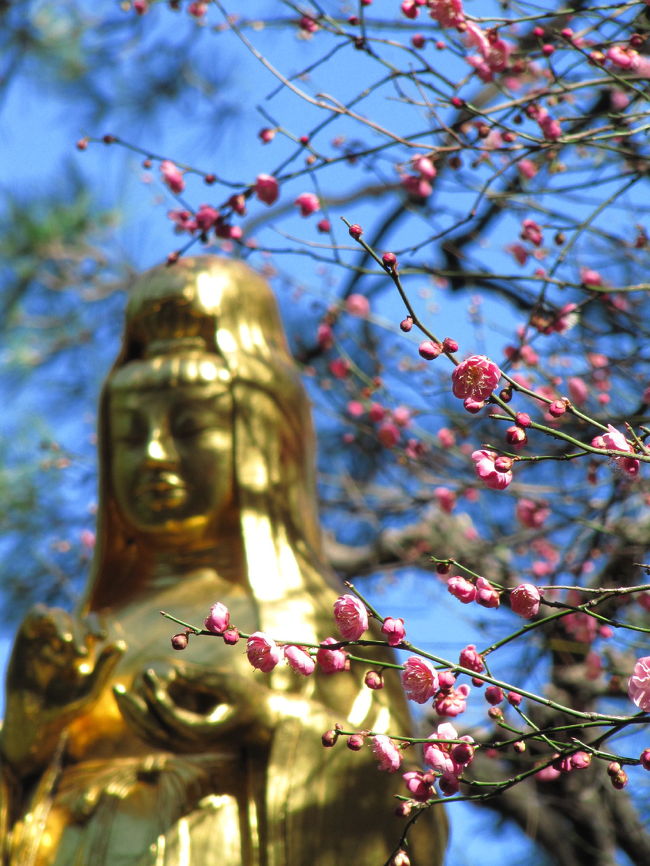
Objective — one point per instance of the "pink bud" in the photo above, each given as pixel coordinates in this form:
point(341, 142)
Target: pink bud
point(308, 203)
point(374, 680)
point(180, 641)
point(231, 636)
point(266, 134)
point(644, 757)
point(493, 695)
point(329, 738)
point(471, 659)
point(461, 589)
point(355, 742)
point(429, 350)
point(267, 188)
point(218, 619)
point(514, 699)
point(331, 661)
point(406, 324)
point(389, 261)
point(524, 600)
point(449, 345)
point(299, 660)
point(172, 176)
point(394, 630)
point(357, 305)
point(387, 753)
point(446, 680)
point(355, 231)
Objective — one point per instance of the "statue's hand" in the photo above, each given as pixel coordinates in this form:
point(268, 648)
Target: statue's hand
point(184, 710)
point(58, 666)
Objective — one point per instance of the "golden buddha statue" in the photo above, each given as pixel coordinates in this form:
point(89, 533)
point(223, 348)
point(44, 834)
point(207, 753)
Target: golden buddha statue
point(117, 751)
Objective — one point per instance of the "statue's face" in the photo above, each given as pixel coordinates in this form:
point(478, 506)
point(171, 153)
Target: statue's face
point(172, 456)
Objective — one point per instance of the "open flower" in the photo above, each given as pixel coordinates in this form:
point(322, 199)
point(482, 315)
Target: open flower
point(351, 616)
point(616, 440)
point(419, 679)
point(299, 660)
point(387, 753)
point(263, 652)
point(492, 475)
point(475, 378)
point(638, 686)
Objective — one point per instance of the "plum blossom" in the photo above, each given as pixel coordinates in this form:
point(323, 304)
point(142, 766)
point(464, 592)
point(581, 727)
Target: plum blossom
point(263, 652)
point(486, 594)
point(471, 659)
point(419, 679)
point(485, 466)
point(453, 702)
point(615, 440)
point(172, 176)
point(446, 498)
point(420, 785)
point(448, 13)
point(475, 378)
point(462, 589)
point(357, 305)
point(218, 619)
point(531, 514)
point(308, 203)
point(351, 616)
point(299, 660)
point(525, 599)
point(266, 188)
point(394, 631)
point(387, 753)
point(331, 661)
point(638, 686)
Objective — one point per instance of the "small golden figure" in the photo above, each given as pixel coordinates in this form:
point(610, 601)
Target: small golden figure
point(116, 751)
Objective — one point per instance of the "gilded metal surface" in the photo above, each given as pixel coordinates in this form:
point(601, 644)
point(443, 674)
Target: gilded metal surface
point(118, 751)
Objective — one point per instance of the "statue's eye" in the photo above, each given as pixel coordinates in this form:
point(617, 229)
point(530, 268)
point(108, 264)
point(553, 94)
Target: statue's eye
point(191, 423)
point(130, 429)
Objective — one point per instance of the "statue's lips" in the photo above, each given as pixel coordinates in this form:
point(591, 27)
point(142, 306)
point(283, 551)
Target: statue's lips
point(167, 489)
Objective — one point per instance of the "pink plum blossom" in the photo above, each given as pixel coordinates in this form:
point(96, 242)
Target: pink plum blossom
point(267, 188)
point(357, 305)
point(218, 619)
point(453, 702)
point(351, 616)
point(331, 661)
point(527, 168)
point(475, 378)
point(462, 589)
point(486, 594)
point(525, 599)
point(446, 498)
point(615, 440)
point(448, 13)
point(393, 630)
point(471, 659)
point(419, 679)
point(263, 652)
point(531, 514)
point(420, 785)
point(387, 753)
point(485, 466)
point(172, 176)
point(638, 686)
point(308, 203)
point(299, 660)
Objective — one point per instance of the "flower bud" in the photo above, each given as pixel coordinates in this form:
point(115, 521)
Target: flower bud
point(429, 350)
point(180, 641)
point(374, 680)
point(355, 742)
point(329, 738)
point(355, 231)
point(406, 324)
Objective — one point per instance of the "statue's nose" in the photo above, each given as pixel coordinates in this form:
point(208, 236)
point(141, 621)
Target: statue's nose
point(161, 448)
